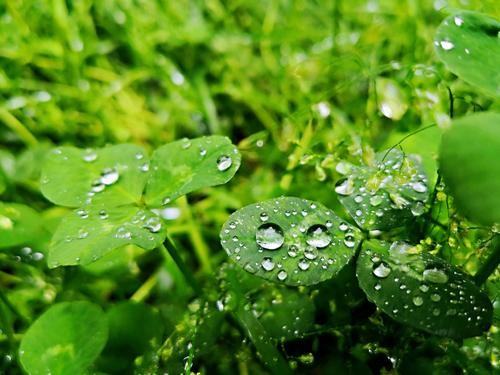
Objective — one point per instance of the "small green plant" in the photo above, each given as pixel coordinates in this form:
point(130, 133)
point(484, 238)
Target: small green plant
point(350, 260)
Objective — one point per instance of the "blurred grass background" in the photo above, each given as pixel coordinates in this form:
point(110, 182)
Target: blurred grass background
point(298, 85)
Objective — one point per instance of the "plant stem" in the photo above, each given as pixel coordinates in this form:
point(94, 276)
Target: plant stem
point(491, 263)
point(11, 307)
point(169, 246)
point(15, 125)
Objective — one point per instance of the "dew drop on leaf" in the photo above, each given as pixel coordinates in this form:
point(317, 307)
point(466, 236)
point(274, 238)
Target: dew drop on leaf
point(344, 187)
point(446, 45)
point(282, 275)
point(435, 275)
point(224, 162)
point(318, 236)
point(303, 264)
point(267, 264)
point(418, 301)
point(269, 236)
point(109, 176)
point(381, 270)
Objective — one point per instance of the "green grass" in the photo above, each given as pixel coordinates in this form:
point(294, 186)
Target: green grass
point(297, 85)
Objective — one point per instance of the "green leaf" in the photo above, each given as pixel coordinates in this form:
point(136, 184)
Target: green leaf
point(127, 339)
point(183, 166)
point(469, 164)
point(422, 290)
point(289, 240)
point(386, 194)
point(468, 44)
point(113, 175)
point(65, 339)
point(87, 234)
point(19, 225)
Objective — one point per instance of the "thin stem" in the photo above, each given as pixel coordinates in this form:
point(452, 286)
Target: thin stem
point(11, 307)
point(406, 137)
point(169, 246)
point(491, 263)
point(17, 126)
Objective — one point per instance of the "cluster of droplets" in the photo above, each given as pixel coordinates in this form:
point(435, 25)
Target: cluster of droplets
point(371, 194)
point(446, 44)
point(308, 242)
point(27, 255)
point(434, 287)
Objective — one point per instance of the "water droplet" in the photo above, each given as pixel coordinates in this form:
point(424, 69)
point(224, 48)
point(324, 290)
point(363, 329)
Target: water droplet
point(109, 176)
point(166, 201)
point(418, 209)
point(144, 167)
point(264, 216)
point(349, 240)
point(224, 162)
point(343, 226)
point(186, 143)
point(435, 275)
point(82, 213)
point(424, 288)
point(267, 264)
point(153, 224)
point(382, 270)
point(377, 286)
point(139, 155)
point(376, 200)
point(269, 236)
point(358, 199)
point(446, 45)
point(419, 187)
point(418, 301)
point(458, 21)
point(303, 264)
point(203, 151)
point(90, 156)
point(82, 234)
point(282, 275)
point(318, 236)
point(435, 297)
point(103, 214)
point(344, 187)
point(436, 312)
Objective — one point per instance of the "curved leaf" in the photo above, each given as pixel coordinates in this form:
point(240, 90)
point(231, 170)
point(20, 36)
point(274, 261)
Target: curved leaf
point(468, 44)
point(289, 240)
point(422, 290)
point(87, 234)
point(183, 166)
point(113, 175)
point(387, 194)
point(66, 339)
point(19, 224)
point(469, 164)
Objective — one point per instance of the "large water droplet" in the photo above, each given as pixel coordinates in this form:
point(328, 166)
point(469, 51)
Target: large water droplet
point(344, 187)
point(224, 162)
point(269, 236)
point(109, 176)
point(418, 209)
point(318, 236)
point(382, 270)
point(267, 264)
point(435, 275)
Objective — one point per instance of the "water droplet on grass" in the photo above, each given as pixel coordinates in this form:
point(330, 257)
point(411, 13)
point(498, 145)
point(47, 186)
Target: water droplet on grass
point(435, 297)
point(269, 236)
point(90, 156)
point(303, 264)
point(349, 240)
